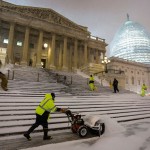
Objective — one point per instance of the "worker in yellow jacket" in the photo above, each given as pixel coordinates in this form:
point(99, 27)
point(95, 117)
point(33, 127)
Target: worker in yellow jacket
point(91, 83)
point(143, 90)
point(43, 111)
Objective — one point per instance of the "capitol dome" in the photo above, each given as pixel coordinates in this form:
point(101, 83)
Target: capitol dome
point(131, 42)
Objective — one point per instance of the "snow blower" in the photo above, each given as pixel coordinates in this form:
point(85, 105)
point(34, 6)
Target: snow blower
point(79, 126)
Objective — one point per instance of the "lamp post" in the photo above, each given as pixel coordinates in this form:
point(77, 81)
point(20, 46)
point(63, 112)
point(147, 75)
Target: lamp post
point(105, 61)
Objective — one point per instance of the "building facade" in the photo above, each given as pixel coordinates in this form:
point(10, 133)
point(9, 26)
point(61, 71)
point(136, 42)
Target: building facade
point(135, 74)
point(41, 37)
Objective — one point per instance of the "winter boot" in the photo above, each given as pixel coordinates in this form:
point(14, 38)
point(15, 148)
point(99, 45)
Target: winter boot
point(46, 137)
point(27, 134)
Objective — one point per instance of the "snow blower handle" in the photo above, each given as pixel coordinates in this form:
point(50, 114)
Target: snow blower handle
point(68, 113)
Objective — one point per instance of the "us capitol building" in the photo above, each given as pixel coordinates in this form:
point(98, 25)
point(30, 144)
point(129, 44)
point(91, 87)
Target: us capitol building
point(43, 38)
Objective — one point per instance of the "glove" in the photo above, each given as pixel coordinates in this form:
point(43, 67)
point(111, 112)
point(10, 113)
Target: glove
point(63, 110)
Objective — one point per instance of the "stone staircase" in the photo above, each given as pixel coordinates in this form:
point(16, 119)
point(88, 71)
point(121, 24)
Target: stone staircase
point(18, 113)
point(17, 105)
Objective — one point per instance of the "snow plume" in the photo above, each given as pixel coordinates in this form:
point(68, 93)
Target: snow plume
point(111, 126)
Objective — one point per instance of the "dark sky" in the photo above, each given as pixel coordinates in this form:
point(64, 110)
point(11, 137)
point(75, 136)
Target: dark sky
point(102, 17)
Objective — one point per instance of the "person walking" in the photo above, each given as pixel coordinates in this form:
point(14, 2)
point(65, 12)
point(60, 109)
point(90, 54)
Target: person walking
point(115, 85)
point(0, 63)
point(91, 83)
point(143, 90)
point(43, 111)
point(4, 81)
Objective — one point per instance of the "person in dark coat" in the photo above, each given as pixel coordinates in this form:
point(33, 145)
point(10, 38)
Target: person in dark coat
point(4, 81)
point(0, 63)
point(115, 85)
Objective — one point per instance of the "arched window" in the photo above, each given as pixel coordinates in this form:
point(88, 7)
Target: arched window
point(139, 82)
point(132, 80)
point(126, 80)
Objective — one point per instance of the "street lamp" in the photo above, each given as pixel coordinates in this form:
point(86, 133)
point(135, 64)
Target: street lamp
point(105, 61)
point(45, 45)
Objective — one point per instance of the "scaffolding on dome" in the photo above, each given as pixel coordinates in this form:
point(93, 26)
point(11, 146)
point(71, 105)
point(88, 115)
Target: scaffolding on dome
point(131, 42)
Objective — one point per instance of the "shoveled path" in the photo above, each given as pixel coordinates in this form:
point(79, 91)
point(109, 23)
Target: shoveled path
point(22, 143)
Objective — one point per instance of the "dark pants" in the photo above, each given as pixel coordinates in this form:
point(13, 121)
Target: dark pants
point(40, 120)
point(4, 82)
point(116, 89)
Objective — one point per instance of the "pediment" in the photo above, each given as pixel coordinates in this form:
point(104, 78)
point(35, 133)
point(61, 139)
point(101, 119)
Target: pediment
point(44, 14)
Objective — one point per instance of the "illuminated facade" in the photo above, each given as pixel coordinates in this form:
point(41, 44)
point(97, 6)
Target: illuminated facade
point(131, 42)
point(41, 37)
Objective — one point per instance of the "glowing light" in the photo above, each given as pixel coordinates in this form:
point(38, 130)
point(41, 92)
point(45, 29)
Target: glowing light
point(45, 45)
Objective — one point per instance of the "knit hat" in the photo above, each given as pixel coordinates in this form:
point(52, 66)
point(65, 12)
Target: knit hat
point(53, 95)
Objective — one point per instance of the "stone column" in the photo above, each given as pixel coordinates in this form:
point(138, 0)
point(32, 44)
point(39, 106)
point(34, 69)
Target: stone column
point(25, 47)
point(49, 55)
point(65, 54)
point(97, 57)
point(85, 53)
point(80, 56)
point(60, 56)
point(52, 66)
point(39, 49)
point(99, 60)
point(75, 54)
point(89, 57)
point(10, 53)
point(101, 57)
point(70, 58)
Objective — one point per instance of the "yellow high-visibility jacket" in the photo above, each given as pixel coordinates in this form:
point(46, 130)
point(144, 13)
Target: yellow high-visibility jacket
point(144, 87)
point(47, 104)
point(91, 80)
point(143, 90)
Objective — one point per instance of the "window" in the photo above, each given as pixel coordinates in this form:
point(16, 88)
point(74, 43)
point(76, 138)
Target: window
point(31, 45)
point(126, 80)
point(139, 82)
point(132, 80)
point(19, 43)
point(5, 41)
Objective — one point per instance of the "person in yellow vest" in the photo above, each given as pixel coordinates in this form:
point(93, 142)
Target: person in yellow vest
point(91, 83)
point(43, 111)
point(143, 90)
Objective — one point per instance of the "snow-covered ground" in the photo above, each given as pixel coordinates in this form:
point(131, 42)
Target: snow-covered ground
point(135, 137)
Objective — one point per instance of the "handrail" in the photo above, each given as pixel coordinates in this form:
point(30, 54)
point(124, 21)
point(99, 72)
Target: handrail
point(110, 71)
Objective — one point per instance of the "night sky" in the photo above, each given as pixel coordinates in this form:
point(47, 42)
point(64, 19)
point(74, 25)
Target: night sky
point(102, 17)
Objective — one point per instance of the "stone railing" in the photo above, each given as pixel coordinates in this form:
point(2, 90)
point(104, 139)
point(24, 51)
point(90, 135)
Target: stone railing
point(91, 37)
point(110, 71)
